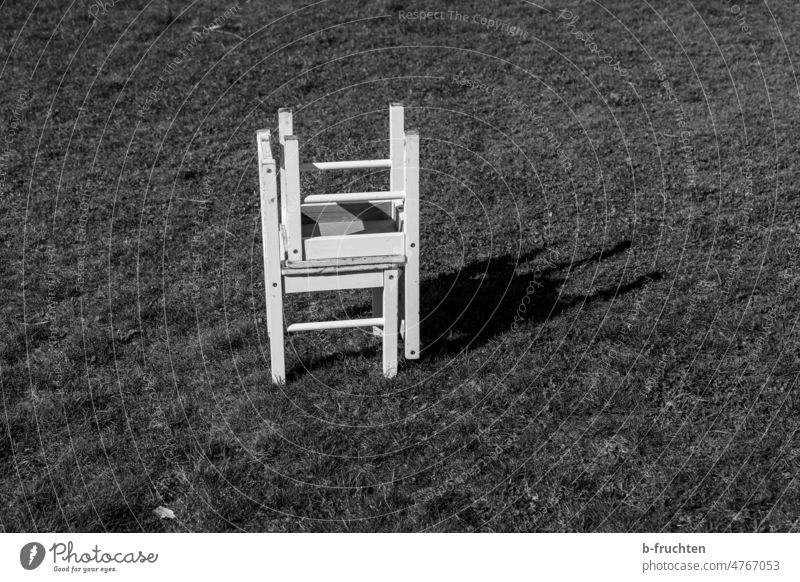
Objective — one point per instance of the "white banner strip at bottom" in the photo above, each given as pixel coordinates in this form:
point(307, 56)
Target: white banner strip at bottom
point(401, 557)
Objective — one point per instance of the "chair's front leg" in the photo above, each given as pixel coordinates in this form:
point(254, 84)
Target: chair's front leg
point(275, 328)
point(390, 322)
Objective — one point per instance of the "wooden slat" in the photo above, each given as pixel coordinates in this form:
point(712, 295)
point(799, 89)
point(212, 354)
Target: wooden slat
point(362, 245)
point(264, 147)
point(335, 282)
point(411, 332)
point(291, 197)
point(355, 197)
point(396, 123)
point(345, 165)
point(268, 189)
point(285, 125)
point(396, 145)
point(347, 261)
point(390, 322)
point(339, 324)
point(289, 272)
point(401, 226)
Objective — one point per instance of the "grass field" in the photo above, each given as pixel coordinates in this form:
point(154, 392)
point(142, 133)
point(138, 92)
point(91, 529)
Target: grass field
point(609, 268)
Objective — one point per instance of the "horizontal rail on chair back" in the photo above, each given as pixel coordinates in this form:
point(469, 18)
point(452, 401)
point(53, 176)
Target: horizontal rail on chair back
point(341, 324)
point(355, 197)
point(345, 165)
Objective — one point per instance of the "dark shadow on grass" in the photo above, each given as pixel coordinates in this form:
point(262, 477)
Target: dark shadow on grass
point(465, 308)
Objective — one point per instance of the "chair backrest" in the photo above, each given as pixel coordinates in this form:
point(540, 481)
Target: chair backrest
point(403, 193)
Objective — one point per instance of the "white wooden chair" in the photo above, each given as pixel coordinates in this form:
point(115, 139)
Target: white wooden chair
point(352, 240)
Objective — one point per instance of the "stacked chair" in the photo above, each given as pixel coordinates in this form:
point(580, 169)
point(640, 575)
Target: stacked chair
point(354, 240)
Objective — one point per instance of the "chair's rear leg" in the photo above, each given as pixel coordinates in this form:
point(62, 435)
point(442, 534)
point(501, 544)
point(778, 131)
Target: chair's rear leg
point(390, 317)
point(270, 233)
point(377, 308)
point(411, 274)
point(275, 329)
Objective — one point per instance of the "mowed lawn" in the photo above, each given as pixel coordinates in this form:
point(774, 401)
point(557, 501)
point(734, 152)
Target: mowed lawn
point(609, 268)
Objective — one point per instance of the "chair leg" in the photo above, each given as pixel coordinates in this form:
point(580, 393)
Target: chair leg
point(377, 308)
point(411, 308)
point(275, 330)
point(390, 318)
